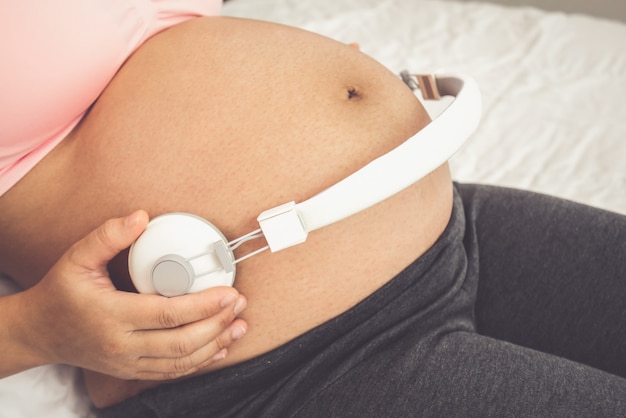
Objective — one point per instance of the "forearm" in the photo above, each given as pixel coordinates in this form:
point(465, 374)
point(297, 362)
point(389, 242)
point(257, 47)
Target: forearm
point(17, 353)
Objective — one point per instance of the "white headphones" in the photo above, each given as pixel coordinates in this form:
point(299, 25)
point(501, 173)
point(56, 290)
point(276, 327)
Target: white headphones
point(180, 253)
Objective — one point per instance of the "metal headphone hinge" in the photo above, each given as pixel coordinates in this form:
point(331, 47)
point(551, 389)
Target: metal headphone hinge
point(426, 83)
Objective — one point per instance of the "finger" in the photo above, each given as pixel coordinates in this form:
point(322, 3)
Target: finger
point(151, 312)
point(106, 241)
point(217, 330)
point(173, 368)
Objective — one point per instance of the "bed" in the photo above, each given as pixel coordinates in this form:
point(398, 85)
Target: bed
point(552, 83)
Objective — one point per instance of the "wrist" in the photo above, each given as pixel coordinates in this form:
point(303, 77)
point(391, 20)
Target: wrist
point(20, 349)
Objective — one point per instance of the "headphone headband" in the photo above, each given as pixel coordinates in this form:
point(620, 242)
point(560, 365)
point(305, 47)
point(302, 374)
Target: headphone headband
point(287, 225)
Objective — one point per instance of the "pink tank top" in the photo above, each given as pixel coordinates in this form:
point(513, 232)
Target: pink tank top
point(56, 57)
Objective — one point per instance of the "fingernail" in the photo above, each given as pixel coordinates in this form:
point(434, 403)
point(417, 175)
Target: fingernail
point(227, 300)
point(219, 355)
point(237, 332)
point(240, 305)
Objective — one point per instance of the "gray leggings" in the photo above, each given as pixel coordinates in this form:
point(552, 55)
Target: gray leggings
point(518, 310)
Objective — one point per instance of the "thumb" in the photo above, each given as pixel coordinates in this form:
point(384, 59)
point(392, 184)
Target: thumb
point(101, 245)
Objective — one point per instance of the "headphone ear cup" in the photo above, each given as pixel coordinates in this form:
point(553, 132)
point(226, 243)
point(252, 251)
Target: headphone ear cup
point(176, 255)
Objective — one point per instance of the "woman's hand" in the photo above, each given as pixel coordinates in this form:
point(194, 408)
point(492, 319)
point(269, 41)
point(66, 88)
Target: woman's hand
point(76, 316)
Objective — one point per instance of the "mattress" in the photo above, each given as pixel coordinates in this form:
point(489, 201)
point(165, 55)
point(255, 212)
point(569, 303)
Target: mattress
point(553, 120)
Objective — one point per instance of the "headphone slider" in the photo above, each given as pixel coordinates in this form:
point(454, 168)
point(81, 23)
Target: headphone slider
point(282, 227)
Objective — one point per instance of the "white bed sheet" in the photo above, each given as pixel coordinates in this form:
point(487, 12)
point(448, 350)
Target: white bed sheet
point(554, 120)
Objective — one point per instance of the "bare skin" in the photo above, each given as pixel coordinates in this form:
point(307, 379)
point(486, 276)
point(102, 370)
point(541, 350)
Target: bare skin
point(225, 118)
